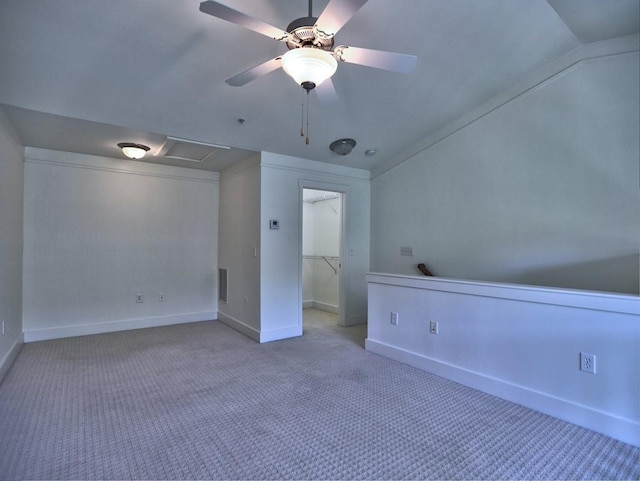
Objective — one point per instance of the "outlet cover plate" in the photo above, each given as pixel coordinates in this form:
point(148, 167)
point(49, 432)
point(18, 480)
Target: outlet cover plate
point(433, 327)
point(588, 362)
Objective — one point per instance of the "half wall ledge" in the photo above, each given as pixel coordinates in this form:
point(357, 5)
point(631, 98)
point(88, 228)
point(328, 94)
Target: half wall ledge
point(521, 343)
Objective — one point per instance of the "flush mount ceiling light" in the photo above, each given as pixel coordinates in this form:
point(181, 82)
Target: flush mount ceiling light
point(309, 66)
point(133, 151)
point(342, 146)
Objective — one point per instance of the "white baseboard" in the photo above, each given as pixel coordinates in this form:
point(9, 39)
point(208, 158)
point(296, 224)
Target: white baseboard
point(255, 334)
point(279, 334)
point(8, 359)
point(34, 335)
point(239, 326)
point(323, 306)
point(622, 429)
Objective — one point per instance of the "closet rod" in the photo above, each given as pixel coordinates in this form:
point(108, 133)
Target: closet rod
point(321, 198)
point(324, 258)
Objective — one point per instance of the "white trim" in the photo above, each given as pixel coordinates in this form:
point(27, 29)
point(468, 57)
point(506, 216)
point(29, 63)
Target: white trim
point(305, 166)
point(11, 355)
point(34, 335)
point(257, 335)
point(239, 326)
point(279, 334)
point(106, 164)
point(336, 176)
point(622, 429)
point(598, 301)
point(548, 73)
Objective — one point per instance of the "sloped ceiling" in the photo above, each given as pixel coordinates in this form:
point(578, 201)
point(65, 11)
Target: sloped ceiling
point(82, 76)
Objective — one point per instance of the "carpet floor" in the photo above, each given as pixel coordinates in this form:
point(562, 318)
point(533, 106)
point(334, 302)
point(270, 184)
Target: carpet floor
point(201, 401)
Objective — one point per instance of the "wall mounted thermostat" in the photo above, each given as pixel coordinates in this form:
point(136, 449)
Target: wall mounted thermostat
point(274, 224)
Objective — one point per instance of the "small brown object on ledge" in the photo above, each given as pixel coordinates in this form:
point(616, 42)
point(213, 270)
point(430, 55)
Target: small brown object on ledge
point(424, 270)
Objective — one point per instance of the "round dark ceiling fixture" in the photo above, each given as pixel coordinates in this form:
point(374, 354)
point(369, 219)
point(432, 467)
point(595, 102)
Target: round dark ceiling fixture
point(342, 146)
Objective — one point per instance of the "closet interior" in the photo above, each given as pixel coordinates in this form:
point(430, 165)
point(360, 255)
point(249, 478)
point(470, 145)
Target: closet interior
point(322, 222)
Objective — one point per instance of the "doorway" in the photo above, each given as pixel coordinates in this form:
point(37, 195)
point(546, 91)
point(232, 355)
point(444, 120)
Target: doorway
point(322, 223)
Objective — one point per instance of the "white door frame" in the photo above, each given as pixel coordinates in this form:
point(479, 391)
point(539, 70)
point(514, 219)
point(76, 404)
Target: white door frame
point(343, 291)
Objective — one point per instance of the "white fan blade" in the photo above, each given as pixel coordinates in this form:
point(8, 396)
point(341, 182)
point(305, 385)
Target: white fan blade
point(395, 62)
point(255, 72)
point(326, 92)
point(336, 14)
point(230, 15)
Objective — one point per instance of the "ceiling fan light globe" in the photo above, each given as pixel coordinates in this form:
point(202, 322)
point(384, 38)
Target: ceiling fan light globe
point(309, 65)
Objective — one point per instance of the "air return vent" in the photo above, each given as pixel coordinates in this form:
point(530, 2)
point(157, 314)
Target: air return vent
point(222, 285)
point(190, 150)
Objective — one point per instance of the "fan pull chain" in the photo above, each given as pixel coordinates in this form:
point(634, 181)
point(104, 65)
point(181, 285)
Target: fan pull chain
point(304, 132)
point(306, 140)
point(302, 117)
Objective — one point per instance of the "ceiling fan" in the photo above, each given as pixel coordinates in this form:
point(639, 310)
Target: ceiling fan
point(312, 58)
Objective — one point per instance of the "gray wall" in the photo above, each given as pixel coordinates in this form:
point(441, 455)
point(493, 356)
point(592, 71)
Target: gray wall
point(11, 199)
point(239, 244)
point(270, 187)
point(97, 231)
point(283, 179)
point(539, 189)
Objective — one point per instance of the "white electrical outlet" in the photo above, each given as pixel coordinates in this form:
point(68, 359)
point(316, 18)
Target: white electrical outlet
point(394, 318)
point(139, 297)
point(433, 327)
point(161, 296)
point(588, 362)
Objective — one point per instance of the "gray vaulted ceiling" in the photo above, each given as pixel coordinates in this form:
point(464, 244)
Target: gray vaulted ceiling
point(81, 76)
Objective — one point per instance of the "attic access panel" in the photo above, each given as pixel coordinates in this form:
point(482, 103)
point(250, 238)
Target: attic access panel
point(189, 150)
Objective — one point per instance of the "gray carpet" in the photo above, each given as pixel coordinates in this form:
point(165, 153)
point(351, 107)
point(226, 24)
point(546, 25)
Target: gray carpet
point(201, 401)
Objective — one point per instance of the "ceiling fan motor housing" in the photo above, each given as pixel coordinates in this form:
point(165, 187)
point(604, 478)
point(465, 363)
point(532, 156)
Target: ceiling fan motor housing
point(303, 29)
